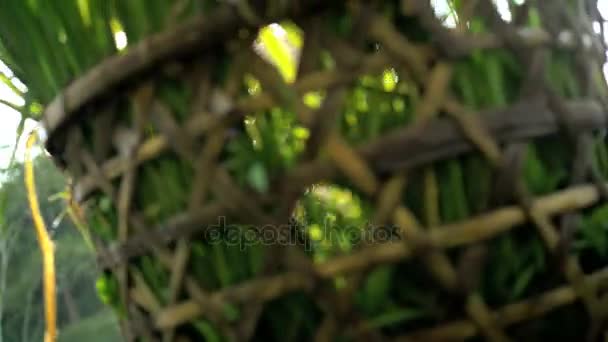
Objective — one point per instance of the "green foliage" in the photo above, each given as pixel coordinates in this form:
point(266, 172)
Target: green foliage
point(273, 143)
point(61, 40)
point(522, 261)
point(540, 178)
point(334, 220)
point(21, 301)
point(375, 290)
point(100, 327)
point(377, 104)
point(594, 232)
point(279, 49)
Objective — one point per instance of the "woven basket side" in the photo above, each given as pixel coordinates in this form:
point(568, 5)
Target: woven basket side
point(115, 156)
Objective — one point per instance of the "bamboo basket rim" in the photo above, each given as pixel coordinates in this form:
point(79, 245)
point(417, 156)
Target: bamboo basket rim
point(195, 34)
point(204, 30)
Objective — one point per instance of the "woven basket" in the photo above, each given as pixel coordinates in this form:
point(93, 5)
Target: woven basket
point(115, 125)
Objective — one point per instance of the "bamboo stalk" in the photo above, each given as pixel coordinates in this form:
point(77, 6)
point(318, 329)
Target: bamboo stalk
point(509, 314)
point(474, 230)
point(437, 139)
point(271, 287)
point(259, 290)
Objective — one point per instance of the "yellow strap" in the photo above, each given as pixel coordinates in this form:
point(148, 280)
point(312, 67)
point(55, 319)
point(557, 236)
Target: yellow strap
point(46, 246)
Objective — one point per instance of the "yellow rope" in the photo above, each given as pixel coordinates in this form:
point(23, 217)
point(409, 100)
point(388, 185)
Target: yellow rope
point(46, 246)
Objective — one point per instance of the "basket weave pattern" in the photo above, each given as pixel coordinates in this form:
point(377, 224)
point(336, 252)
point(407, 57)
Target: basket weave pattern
point(378, 169)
